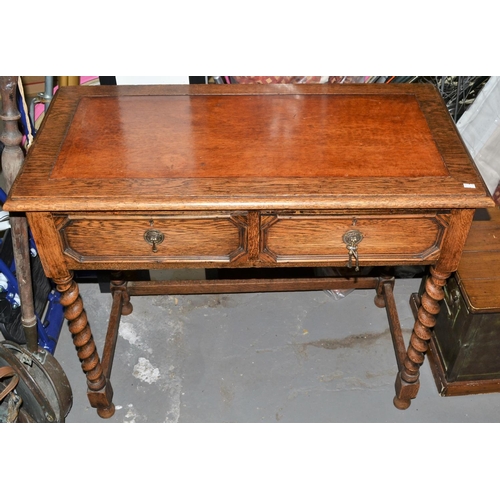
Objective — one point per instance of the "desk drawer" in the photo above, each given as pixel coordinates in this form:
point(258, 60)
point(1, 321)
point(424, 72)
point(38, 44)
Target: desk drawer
point(154, 238)
point(386, 239)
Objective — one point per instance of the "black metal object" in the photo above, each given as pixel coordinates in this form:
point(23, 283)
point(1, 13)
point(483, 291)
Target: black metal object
point(107, 80)
point(458, 92)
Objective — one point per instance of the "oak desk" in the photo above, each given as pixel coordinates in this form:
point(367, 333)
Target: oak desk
point(237, 176)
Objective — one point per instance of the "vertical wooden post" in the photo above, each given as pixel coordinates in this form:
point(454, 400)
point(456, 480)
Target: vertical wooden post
point(12, 155)
point(12, 160)
point(68, 81)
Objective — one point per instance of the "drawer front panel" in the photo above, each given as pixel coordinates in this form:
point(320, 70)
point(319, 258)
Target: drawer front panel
point(184, 238)
point(392, 239)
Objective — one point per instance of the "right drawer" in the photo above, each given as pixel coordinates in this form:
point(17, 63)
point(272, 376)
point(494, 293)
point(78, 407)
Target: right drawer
point(385, 239)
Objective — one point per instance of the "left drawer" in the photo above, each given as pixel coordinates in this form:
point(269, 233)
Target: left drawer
point(169, 238)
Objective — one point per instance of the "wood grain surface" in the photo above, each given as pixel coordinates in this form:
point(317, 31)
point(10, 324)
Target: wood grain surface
point(478, 273)
point(310, 238)
point(247, 147)
point(186, 238)
point(215, 136)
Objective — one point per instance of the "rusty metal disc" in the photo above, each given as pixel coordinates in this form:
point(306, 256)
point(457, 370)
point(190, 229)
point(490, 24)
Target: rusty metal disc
point(43, 385)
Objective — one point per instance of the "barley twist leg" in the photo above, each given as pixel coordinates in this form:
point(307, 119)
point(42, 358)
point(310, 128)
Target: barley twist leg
point(100, 392)
point(407, 381)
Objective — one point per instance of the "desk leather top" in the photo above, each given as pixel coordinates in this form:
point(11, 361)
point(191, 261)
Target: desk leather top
point(247, 146)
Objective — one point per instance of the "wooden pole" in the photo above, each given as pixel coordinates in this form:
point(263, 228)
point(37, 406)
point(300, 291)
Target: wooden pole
point(12, 160)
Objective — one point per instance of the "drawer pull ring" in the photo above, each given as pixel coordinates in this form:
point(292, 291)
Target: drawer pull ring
point(154, 238)
point(351, 239)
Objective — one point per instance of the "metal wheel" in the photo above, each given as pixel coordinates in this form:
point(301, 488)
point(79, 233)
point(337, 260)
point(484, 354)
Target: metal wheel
point(43, 385)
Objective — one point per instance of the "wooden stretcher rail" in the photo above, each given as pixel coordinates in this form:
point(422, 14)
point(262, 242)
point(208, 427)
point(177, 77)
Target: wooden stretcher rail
point(181, 287)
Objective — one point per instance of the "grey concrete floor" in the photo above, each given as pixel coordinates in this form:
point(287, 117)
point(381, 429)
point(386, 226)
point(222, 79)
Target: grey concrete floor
point(275, 357)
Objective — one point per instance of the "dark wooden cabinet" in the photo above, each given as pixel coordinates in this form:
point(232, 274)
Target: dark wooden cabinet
point(465, 349)
point(248, 176)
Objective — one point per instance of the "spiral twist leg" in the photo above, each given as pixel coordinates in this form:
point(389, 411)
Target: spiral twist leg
point(119, 283)
point(407, 381)
point(100, 392)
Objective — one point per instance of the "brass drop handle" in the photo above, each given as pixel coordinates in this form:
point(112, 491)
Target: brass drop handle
point(351, 239)
point(154, 238)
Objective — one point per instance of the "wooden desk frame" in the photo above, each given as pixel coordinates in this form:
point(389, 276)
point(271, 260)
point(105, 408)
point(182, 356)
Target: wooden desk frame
point(257, 218)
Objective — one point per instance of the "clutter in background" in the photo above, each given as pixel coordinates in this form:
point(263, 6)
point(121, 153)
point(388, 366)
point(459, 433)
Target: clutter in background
point(297, 79)
point(479, 127)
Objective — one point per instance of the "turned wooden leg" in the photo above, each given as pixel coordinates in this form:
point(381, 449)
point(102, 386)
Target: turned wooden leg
point(12, 155)
point(120, 284)
point(100, 393)
point(407, 381)
point(380, 297)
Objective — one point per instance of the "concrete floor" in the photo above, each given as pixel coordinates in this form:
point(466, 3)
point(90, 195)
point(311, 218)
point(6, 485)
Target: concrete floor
point(276, 357)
